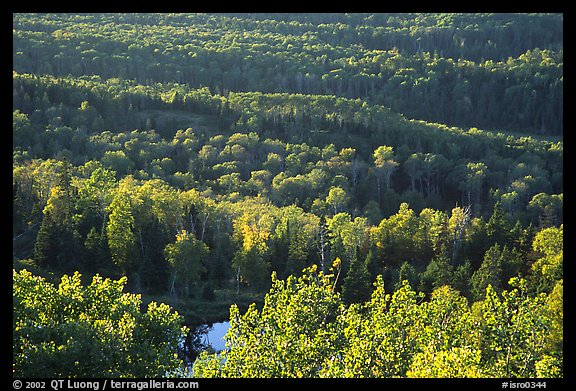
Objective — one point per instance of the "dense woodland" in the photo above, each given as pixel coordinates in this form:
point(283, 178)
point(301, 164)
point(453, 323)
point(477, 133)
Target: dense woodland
point(396, 174)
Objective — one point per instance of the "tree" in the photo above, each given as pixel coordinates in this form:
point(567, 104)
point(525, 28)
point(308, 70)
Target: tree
point(457, 224)
point(384, 166)
point(304, 330)
point(395, 236)
point(96, 192)
point(295, 334)
point(356, 286)
point(98, 330)
point(22, 130)
point(445, 338)
point(337, 198)
point(54, 246)
point(185, 255)
point(432, 236)
point(346, 235)
point(546, 209)
point(515, 331)
point(439, 272)
point(120, 229)
point(490, 273)
point(498, 228)
point(197, 209)
point(475, 175)
point(548, 268)
point(555, 308)
point(380, 336)
point(407, 272)
point(97, 252)
point(455, 363)
point(252, 232)
point(117, 161)
point(414, 168)
point(290, 245)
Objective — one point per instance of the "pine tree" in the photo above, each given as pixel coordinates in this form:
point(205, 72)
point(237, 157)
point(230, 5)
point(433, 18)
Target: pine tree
point(489, 273)
point(371, 263)
point(356, 287)
point(55, 247)
point(498, 228)
point(97, 251)
point(46, 246)
point(407, 272)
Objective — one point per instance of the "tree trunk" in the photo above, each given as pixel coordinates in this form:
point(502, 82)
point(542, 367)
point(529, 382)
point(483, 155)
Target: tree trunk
point(378, 187)
point(238, 280)
point(204, 226)
point(173, 286)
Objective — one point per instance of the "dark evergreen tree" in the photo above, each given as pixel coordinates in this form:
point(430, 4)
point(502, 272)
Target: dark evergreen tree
point(97, 254)
point(46, 248)
point(55, 247)
point(489, 273)
point(407, 272)
point(356, 286)
point(498, 228)
point(439, 272)
point(371, 263)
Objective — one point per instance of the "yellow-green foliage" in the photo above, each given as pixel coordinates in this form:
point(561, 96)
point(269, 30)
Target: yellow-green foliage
point(304, 330)
point(94, 331)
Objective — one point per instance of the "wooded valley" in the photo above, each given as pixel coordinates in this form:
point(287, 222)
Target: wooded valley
point(360, 195)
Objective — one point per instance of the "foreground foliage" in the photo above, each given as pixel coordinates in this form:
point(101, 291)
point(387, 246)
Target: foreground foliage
point(94, 331)
point(304, 330)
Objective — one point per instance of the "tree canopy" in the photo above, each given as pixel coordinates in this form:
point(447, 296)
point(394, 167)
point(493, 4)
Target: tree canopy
point(290, 166)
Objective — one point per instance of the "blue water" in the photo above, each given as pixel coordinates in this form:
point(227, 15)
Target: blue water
point(215, 335)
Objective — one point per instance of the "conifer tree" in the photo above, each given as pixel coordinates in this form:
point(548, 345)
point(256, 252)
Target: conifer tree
point(356, 287)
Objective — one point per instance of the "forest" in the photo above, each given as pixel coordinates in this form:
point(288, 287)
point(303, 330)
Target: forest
point(359, 195)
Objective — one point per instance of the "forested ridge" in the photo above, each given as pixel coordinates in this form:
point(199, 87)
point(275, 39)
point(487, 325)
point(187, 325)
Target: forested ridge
point(400, 176)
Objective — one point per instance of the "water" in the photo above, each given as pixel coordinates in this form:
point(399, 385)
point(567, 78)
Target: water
point(203, 337)
point(214, 337)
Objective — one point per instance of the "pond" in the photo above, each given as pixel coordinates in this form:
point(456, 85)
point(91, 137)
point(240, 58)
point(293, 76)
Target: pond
point(214, 337)
point(208, 336)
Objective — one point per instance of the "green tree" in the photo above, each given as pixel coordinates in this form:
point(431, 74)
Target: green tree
point(292, 239)
point(413, 166)
point(117, 161)
point(22, 130)
point(490, 273)
point(357, 285)
point(120, 229)
point(475, 175)
point(337, 198)
point(555, 309)
point(498, 228)
point(439, 272)
point(446, 336)
point(304, 330)
point(96, 192)
point(252, 233)
point(295, 334)
point(395, 236)
point(70, 330)
point(457, 362)
point(54, 245)
point(185, 255)
point(384, 166)
point(548, 268)
point(515, 331)
point(380, 336)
